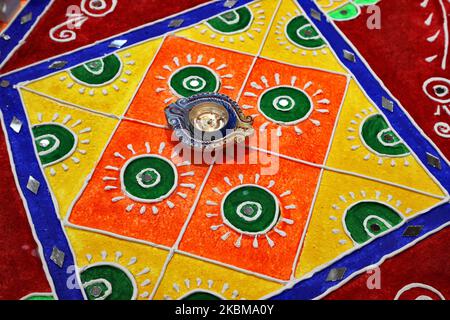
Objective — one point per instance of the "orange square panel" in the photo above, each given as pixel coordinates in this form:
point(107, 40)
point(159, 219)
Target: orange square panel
point(296, 107)
point(141, 188)
point(183, 68)
point(253, 221)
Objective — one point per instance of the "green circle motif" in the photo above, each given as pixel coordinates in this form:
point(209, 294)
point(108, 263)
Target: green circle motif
point(285, 105)
point(366, 2)
point(232, 21)
point(346, 12)
point(108, 282)
point(250, 209)
point(39, 297)
point(301, 33)
point(98, 72)
point(54, 142)
point(149, 178)
point(368, 219)
point(201, 296)
point(379, 137)
point(194, 80)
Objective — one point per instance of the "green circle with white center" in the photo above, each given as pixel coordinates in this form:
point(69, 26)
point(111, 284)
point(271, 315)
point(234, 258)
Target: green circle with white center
point(99, 72)
point(250, 209)
point(148, 178)
point(345, 12)
point(192, 80)
point(378, 137)
point(108, 281)
point(302, 34)
point(232, 22)
point(54, 142)
point(285, 105)
point(361, 216)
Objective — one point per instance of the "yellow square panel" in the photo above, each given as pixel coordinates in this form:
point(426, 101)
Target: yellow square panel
point(292, 39)
point(69, 141)
point(114, 269)
point(106, 84)
point(188, 278)
point(241, 29)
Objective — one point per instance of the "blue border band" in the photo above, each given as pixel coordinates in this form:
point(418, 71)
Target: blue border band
point(367, 255)
point(17, 31)
point(46, 223)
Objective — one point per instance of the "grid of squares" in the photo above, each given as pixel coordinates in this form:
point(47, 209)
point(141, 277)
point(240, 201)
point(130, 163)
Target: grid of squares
point(232, 68)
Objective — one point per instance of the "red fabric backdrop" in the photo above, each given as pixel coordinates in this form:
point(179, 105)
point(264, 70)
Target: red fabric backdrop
point(426, 263)
point(20, 268)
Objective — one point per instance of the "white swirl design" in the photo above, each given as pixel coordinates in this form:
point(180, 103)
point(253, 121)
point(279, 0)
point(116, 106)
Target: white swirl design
point(434, 83)
point(98, 8)
point(442, 129)
point(66, 31)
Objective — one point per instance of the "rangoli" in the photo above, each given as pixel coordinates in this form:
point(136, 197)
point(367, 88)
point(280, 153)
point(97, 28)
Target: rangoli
point(209, 150)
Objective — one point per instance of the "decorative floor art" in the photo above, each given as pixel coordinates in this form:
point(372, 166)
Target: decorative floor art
point(98, 201)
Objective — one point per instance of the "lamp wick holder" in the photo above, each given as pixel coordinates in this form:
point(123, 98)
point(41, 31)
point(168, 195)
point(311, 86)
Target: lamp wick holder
point(208, 121)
